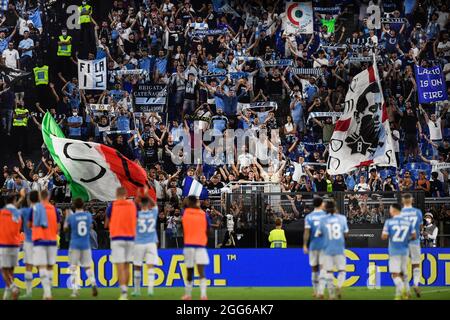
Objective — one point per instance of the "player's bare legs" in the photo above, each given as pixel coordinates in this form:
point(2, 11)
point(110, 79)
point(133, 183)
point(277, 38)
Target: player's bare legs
point(28, 281)
point(416, 279)
point(340, 283)
point(124, 276)
point(398, 281)
point(188, 285)
point(137, 276)
point(201, 272)
point(315, 280)
point(406, 288)
point(151, 279)
point(50, 280)
point(10, 287)
point(330, 285)
point(91, 275)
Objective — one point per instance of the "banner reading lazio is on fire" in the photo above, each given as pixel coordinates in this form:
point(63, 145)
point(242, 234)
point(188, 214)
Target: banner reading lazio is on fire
point(93, 170)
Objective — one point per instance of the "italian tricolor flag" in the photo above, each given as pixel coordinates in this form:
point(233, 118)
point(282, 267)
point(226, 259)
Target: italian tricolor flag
point(93, 170)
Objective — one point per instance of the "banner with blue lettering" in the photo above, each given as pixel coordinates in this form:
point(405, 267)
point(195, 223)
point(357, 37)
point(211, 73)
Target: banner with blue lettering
point(431, 85)
point(254, 268)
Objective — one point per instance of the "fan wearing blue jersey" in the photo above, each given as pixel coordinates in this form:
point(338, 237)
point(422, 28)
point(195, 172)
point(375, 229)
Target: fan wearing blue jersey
point(26, 212)
point(415, 216)
point(145, 248)
point(399, 230)
point(333, 228)
point(80, 223)
point(310, 234)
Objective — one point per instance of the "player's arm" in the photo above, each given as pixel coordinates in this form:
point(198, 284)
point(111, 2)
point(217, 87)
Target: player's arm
point(385, 232)
point(108, 216)
point(306, 234)
point(345, 228)
point(66, 221)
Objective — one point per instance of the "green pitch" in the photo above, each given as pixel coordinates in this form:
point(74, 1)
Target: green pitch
point(249, 293)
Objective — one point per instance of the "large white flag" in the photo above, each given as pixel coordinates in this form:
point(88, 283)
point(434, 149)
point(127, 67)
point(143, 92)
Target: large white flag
point(92, 74)
point(298, 18)
point(362, 135)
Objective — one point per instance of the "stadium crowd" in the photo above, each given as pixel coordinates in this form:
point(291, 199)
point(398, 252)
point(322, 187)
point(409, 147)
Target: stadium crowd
point(224, 69)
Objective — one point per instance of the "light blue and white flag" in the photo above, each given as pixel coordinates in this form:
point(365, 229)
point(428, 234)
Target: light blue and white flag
point(194, 188)
point(4, 5)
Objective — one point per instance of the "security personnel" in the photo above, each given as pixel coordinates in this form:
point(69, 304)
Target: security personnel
point(20, 126)
point(41, 75)
point(85, 12)
point(64, 44)
point(277, 238)
point(87, 34)
point(429, 232)
point(121, 219)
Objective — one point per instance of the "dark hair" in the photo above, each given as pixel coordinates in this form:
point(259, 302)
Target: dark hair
point(434, 175)
point(330, 206)
point(145, 200)
point(190, 202)
point(407, 196)
point(10, 198)
point(44, 194)
point(317, 201)
point(34, 196)
point(78, 203)
point(278, 222)
point(396, 206)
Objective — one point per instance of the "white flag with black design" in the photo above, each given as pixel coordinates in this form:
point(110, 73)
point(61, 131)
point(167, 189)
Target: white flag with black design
point(362, 135)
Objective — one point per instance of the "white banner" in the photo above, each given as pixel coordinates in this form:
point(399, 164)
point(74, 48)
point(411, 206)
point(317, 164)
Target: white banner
point(299, 18)
point(92, 74)
point(362, 135)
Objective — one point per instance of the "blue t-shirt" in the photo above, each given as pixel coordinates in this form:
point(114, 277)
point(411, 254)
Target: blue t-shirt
point(123, 123)
point(75, 131)
point(146, 226)
point(415, 216)
point(80, 227)
point(399, 229)
point(26, 214)
point(333, 228)
point(312, 222)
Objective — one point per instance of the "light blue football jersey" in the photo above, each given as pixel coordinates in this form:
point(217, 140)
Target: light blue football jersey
point(312, 222)
point(26, 214)
point(333, 228)
point(399, 229)
point(415, 216)
point(146, 226)
point(80, 224)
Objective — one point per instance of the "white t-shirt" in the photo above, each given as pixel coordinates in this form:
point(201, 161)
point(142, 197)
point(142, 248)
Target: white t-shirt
point(11, 57)
point(447, 68)
point(320, 62)
point(435, 129)
point(245, 160)
point(362, 187)
point(396, 134)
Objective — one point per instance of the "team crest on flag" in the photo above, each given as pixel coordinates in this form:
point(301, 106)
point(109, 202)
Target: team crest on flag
point(299, 18)
point(362, 134)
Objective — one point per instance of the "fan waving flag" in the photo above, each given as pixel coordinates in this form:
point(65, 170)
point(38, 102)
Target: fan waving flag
point(362, 135)
point(93, 170)
point(194, 188)
point(298, 18)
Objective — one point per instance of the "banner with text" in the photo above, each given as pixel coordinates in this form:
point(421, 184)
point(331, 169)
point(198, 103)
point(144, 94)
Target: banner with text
point(92, 74)
point(430, 84)
point(150, 98)
point(267, 267)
